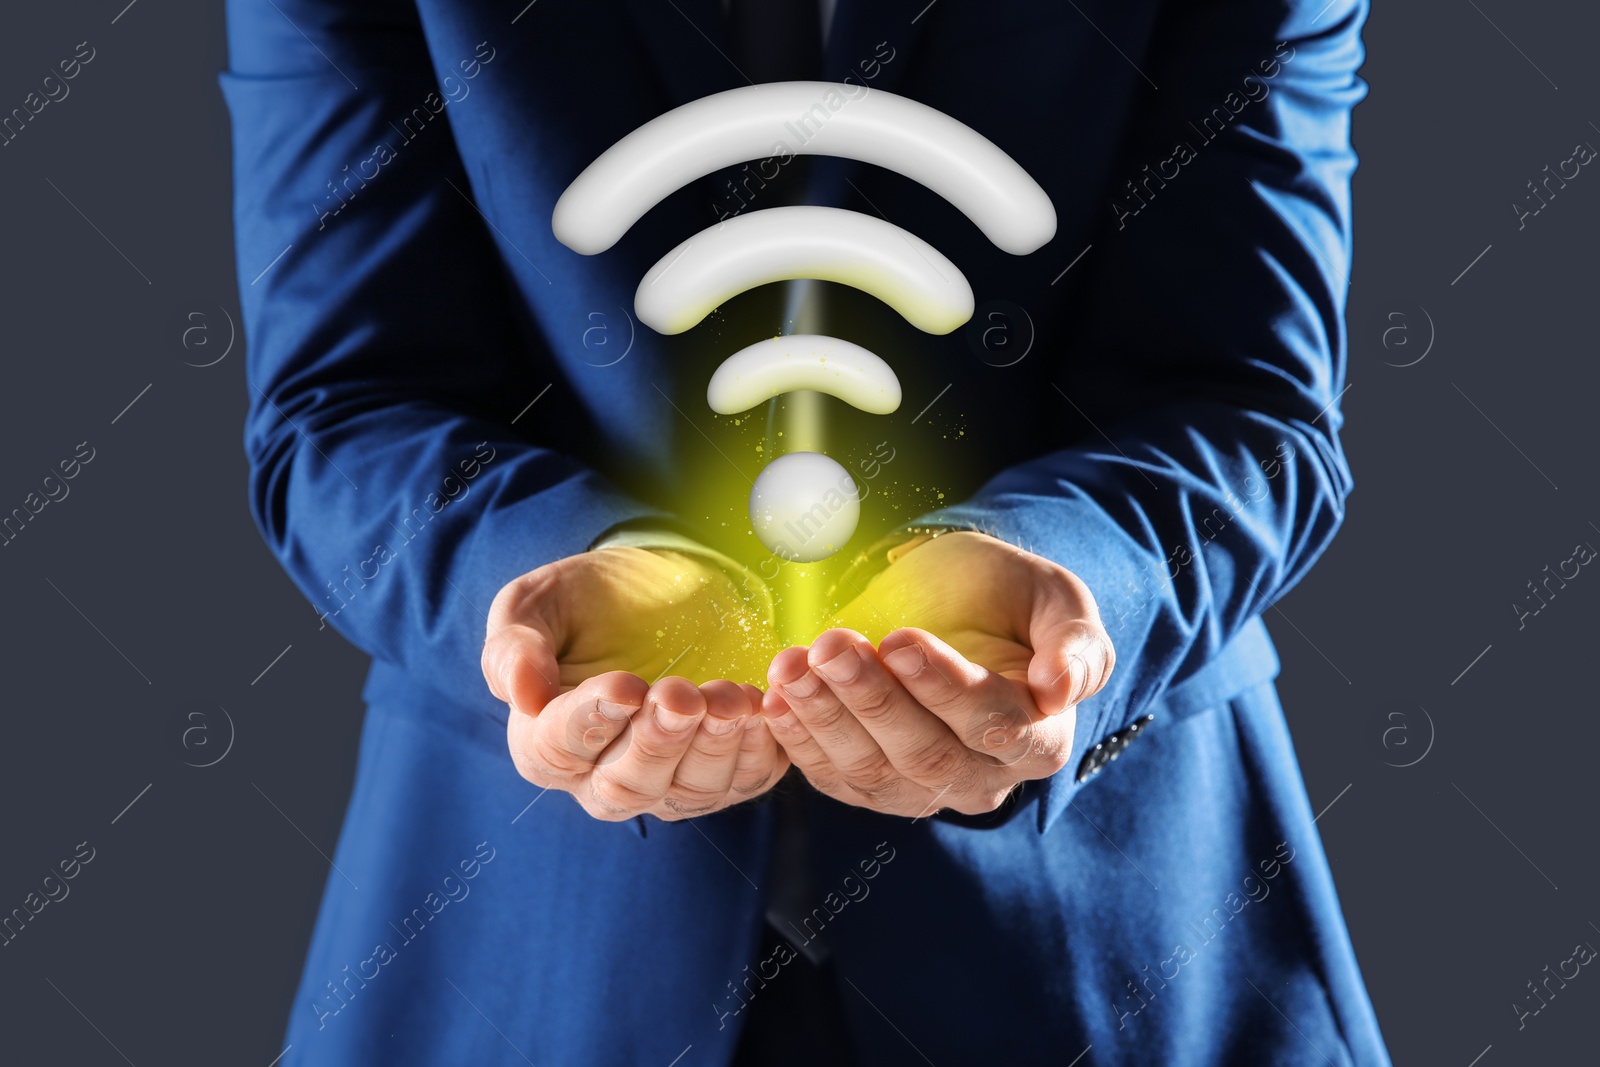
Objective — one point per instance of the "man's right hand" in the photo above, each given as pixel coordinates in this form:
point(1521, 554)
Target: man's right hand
point(569, 648)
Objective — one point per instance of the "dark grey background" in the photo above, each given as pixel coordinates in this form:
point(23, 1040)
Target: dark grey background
point(142, 612)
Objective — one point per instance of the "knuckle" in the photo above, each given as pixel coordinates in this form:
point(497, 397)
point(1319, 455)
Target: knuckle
point(501, 608)
point(865, 767)
point(1054, 761)
point(957, 786)
point(526, 589)
point(613, 795)
point(691, 800)
point(602, 814)
point(593, 741)
point(935, 690)
point(1046, 753)
point(885, 796)
point(1000, 730)
point(557, 760)
point(1068, 583)
point(510, 603)
point(825, 780)
point(533, 772)
point(982, 802)
point(530, 766)
point(966, 806)
point(750, 786)
point(876, 781)
point(714, 748)
point(586, 734)
point(822, 716)
point(873, 703)
point(1052, 754)
point(651, 748)
point(489, 660)
point(939, 762)
point(838, 737)
point(1081, 632)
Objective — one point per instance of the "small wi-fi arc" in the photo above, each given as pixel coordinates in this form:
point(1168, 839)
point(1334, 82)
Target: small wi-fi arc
point(804, 492)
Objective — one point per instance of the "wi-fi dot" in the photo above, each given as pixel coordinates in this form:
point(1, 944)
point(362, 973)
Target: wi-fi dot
point(804, 506)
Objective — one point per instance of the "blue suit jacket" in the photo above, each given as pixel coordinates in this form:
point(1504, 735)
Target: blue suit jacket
point(1171, 437)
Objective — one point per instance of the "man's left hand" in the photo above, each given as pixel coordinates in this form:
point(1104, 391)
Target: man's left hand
point(921, 722)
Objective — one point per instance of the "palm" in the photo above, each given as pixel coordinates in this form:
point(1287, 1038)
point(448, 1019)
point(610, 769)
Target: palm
point(954, 590)
point(646, 613)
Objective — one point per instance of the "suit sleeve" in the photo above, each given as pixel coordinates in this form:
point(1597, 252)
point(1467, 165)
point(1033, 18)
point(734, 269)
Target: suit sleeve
point(397, 469)
point(1208, 476)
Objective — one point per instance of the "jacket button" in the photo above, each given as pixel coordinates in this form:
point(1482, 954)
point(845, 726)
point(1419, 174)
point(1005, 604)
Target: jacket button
point(1095, 760)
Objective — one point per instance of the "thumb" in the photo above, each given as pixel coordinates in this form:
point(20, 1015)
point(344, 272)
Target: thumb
point(1072, 654)
point(519, 652)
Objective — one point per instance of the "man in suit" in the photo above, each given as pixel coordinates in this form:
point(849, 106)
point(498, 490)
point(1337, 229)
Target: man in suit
point(1059, 818)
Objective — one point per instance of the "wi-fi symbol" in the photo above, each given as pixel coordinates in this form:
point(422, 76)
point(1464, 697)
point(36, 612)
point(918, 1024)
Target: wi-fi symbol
point(803, 505)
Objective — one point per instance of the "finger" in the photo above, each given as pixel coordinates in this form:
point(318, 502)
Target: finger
point(635, 771)
point(705, 773)
point(519, 663)
point(1072, 653)
point(762, 760)
point(798, 744)
point(989, 713)
point(917, 743)
point(582, 724)
point(563, 741)
point(853, 752)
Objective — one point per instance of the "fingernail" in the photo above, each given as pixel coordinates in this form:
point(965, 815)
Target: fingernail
point(721, 727)
point(674, 721)
point(906, 661)
point(802, 687)
point(1082, 680)
point(505, 679)
point(787, 721)
point(842, 668)
point(613, 711)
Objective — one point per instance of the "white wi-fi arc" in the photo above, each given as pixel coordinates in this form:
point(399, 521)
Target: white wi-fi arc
point(803, 505)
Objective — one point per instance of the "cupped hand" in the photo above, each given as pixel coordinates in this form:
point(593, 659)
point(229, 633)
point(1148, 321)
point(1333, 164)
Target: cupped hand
point(570, 646)
point(923, 722)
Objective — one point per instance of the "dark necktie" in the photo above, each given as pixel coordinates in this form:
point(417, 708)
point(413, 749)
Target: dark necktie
point(776, 40)
point(781, 40)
